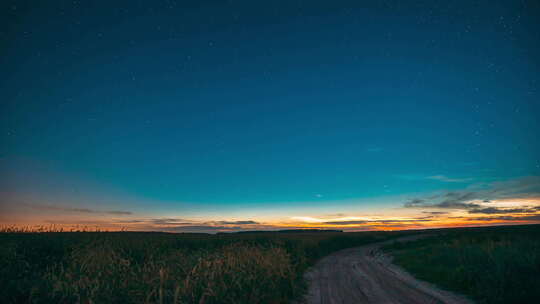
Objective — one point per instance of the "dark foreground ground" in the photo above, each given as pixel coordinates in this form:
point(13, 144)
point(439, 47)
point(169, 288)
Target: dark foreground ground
point(492, 265)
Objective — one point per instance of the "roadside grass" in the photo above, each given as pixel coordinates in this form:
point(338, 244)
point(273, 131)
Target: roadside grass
point(138, 267)
point(490, 265)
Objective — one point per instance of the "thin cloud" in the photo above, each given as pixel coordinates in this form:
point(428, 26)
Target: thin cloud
point(129, 221)
point(346, 222)
point(450, 201)
point(415, 202)
point(517, 188)
point(185, 225)
point(493, 210)
point(528, 218)
point(524, 187)
point(435, 212)
point(116, 212)
point(444, 178)
point(449, 204)
point(378, 221)
point(237, 222)
point(75, 210)
point(169, 221)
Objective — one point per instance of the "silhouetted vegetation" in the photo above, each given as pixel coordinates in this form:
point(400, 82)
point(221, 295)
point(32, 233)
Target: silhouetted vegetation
point(133, 267)
point(490, 265)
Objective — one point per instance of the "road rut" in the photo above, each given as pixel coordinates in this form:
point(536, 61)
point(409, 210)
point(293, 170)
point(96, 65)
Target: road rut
point(366, 275)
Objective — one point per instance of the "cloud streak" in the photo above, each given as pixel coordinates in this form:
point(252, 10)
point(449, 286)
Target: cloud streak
point(451, 200)
point(237, 222)
point(528, 218)
point(444, 178)
point(74, 210)
point(378, 221)
point(493, 210)
point(171, 224)
point(468, 199)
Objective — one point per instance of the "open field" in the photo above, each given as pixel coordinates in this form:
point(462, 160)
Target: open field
point(490, 265)
point(131, 267)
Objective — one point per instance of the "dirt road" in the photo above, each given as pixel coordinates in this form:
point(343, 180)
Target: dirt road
point(366, 275)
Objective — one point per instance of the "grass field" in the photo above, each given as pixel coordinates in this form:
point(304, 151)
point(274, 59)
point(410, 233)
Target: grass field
point(490, 265)
point(135, 267)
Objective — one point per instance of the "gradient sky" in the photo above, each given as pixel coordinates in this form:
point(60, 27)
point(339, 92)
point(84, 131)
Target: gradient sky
point(230, 115)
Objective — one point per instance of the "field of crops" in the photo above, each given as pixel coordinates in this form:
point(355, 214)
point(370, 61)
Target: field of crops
point(135, 267)
point(490, 265)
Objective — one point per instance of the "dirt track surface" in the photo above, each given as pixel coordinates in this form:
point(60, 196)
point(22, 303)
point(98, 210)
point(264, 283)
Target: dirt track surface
point(366, 275)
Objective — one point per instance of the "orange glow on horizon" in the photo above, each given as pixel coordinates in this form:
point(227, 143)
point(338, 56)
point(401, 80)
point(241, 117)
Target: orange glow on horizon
point(375, 225)
point(495, 212)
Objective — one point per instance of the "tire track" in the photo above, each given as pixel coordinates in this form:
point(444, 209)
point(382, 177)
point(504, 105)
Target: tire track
point(366, 275)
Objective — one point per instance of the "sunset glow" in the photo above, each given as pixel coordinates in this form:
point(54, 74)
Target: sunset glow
point(499, 211)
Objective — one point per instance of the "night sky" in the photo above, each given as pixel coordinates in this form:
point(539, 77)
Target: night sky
point(236, 115)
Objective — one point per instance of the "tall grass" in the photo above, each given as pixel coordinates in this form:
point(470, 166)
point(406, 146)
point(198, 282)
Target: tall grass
point(129, 267)
point(491, 265)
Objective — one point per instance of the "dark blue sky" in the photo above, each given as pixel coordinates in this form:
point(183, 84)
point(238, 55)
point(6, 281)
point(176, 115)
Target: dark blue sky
point(236, 103)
